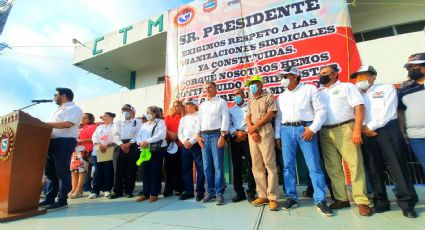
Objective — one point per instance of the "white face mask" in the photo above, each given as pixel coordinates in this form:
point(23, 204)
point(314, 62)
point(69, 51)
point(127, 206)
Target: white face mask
point(285, 82)
point(148, 117)
point(127, 115)
point(363, 85)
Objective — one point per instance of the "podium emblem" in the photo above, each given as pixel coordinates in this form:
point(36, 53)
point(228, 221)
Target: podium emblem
point(7, 140)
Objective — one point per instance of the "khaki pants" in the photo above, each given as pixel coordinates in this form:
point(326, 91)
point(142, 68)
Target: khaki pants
point(264, 163)
point(337, 145)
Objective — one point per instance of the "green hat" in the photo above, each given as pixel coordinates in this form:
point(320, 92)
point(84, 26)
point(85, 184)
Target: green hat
point(145, 155)
point(254, 78)
point(364, 69)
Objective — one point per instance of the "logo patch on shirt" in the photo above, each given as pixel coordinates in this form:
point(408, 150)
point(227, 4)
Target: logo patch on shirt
point(378, 94)
point(335, 92)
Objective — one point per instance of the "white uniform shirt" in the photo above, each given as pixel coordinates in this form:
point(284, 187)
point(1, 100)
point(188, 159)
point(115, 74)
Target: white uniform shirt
point(237, 118)
point(381, 105)
point(187, 128)
point(340, 100)
point(213, 114)
point(301, 104)
point(67, 112)
point(160, 132)
point(102, 135)
point(124, 130)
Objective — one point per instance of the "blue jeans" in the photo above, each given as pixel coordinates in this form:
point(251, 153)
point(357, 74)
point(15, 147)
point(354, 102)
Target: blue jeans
point(291, 136)
point(188, 157)
point(213, 160)
point(418, 147)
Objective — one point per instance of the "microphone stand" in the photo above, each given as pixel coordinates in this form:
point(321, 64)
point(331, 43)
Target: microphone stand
point(35, 103)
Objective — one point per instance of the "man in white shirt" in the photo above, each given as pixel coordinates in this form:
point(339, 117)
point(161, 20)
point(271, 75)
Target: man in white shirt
point(127, 152)
point(213, 124)
point(240, 148)
point(300, 115)
point(340, 138)
point(65, 122)
point(191, 152)
point(384, 140)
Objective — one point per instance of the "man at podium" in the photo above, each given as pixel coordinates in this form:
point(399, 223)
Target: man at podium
point(65, 122)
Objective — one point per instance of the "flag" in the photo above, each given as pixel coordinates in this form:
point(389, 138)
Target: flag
point(3, 46)
point(5, 7)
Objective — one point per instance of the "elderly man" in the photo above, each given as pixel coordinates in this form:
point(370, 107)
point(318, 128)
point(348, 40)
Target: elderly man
point(341, 137)
point(300, 115)
point(126, 155)
point(240, 148)
point(65, 122)
point(261, 110)
point(383, 140)
point(213, 125)
point(411, 106)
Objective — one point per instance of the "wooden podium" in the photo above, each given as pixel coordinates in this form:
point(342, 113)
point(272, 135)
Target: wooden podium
point(24, 145)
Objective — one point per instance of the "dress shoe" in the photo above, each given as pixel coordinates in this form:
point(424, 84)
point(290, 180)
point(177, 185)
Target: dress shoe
point(141, 198)
point(365, 210)
point(410, 213)
point(178, 193)
point(208, 198)
point(129, 195)
point(251, 198)
point(115, 196)
point(199, 197)
point(238, 198)
point(381, 208)
point(273, 205)
point(260, 202)
point(153, 198)
point(338, 204)
point(167, 194)
point(186, 196)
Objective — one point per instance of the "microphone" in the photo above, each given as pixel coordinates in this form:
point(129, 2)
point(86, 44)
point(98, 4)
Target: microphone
point(41, 101)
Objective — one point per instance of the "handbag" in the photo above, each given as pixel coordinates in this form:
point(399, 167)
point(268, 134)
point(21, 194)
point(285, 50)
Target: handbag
point(155, 146)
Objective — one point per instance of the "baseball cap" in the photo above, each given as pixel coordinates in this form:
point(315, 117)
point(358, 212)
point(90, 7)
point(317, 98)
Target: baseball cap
point(128, 107)
point(254, 78)
point(290, 70)
point(190, 101)
point(172, 148)
point(415, 59)
point(364, 68)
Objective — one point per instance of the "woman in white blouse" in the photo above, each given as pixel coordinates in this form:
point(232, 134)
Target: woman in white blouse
point(152, 135)
point(191, 152)
point(102, 157)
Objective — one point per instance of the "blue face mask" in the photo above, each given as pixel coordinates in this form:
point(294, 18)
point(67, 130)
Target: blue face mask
point(238, 99)
point(253, 88)
point(126, 115)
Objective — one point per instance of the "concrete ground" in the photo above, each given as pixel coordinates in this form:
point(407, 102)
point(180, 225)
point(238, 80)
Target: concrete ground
point(171, 213)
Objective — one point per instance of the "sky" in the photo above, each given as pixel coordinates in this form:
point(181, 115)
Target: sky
point(41, 59)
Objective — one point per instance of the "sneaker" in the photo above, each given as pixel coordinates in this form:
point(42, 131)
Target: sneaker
point(107, 194)
point(324, 209)
point(114, 195)
point(92, 195)
point(44, 204)
point(289, 204)
point(208, 198)
point(238, 197)
point(273, 205)
point(56, 206)
point(220, 200)
point(260, 202)
point(410, 213)
point(186, 196)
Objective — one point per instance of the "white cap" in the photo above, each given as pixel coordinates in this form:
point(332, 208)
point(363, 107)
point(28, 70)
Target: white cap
point(172, 148)
point(190, 101)
point(290, 70)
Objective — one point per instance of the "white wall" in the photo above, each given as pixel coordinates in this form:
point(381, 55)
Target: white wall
point(149, 76)
point(140, 99)
point(388, 55)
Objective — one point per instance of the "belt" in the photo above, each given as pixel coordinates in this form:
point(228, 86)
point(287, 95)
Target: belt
point(337, 125)
point(296, 123)
point(210, 131)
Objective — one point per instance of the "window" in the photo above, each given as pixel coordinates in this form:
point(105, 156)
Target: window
point(160, 80)
point(410, 28)
point(379, 33)
point(389, 31)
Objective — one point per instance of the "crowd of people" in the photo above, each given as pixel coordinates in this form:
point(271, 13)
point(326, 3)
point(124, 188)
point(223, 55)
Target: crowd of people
point(361, 125)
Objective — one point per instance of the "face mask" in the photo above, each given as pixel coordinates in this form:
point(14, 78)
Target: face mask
point(324, 79)
point(285, 82)
point(126, 115)
point(415, 74)
point(148, 117)
point(363, 85)
point(238, 99)
point(253, 88)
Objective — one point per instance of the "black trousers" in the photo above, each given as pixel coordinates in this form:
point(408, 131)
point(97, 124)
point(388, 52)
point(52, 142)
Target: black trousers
point(152, 173)
point(238, 151)
point(103, 177)
point(389, 146)
point(173, 172)
point(125, 169)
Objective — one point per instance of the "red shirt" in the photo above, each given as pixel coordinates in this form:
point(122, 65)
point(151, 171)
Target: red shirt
point(86, 133)
point(172, 122)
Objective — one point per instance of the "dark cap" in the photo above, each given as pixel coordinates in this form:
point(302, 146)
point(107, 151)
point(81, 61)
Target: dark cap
point(416, 59)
